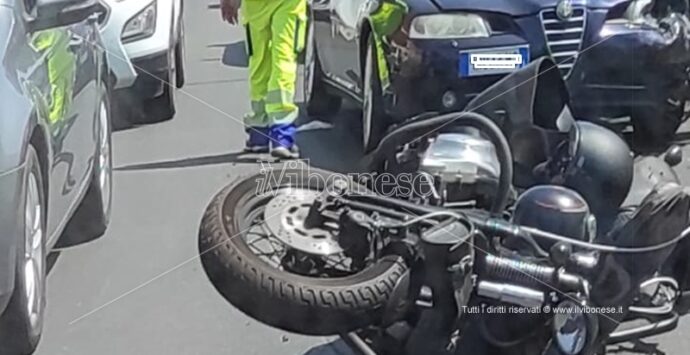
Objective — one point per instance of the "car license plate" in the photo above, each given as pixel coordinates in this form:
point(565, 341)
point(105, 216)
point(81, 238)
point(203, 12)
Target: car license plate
point(492, 61)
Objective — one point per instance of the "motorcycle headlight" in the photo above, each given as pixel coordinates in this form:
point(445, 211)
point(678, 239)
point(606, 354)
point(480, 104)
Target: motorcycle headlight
point(457, 25)
point(141, 25)
point(570, 327)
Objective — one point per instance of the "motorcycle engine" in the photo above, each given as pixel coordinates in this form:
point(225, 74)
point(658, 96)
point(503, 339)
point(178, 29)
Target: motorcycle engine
point(464, 166)
point(550, 208)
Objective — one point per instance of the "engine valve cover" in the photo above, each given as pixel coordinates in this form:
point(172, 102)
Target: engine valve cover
point(461, 157)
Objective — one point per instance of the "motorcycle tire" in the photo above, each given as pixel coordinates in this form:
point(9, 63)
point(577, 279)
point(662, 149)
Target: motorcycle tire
point(292, 302)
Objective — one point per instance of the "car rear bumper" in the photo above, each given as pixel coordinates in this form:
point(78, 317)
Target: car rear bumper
point(151, 79)
point(11, 227)
point(123, 57)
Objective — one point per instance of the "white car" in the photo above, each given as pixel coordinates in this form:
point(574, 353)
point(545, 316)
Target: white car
point(144, 40)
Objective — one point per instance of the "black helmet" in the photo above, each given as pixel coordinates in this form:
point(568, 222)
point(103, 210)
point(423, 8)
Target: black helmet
point(554, 209)
point(600, 167)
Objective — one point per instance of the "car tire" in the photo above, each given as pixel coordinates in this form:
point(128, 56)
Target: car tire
point(293, 302)
point(121, 114)
point(657, 126)
point(180, 58)
point(319, 102)
point(21, 324)
point(374, 121)
point(161, 108)
point(92, 217)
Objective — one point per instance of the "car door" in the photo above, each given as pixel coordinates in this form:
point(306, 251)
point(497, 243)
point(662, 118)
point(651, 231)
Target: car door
point(323, 37)
point(323, 34)
point(65, 74)
point(339, 50)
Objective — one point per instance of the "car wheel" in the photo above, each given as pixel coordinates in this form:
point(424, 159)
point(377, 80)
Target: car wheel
point(374, 118)
point(22, 322)
point(319, 102)
point(122, 114)
point(162, 108)
point(92, 217)
point(179, 58)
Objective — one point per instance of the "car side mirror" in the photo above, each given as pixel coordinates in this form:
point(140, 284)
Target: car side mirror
point(45, 14)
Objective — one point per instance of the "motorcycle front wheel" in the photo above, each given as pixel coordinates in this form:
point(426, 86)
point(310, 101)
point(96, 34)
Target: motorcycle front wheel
point(268, 288)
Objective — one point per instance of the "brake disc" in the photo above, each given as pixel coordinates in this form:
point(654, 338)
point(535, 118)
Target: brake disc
point(284, 216)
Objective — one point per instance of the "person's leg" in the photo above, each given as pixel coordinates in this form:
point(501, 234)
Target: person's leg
point(257, 21)
point(287, 31)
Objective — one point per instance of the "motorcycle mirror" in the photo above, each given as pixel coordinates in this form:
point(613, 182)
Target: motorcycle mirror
point(570, 325)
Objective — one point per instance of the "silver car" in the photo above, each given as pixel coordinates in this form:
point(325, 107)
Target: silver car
point(55, 160)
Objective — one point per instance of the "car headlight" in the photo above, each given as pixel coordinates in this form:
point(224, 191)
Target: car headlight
point(141, 25)
point(632, 13)
point(457, 25)
point(637, 10)
point(570, 327)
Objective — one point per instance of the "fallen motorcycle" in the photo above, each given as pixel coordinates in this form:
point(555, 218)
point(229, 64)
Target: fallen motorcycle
point(512, 206)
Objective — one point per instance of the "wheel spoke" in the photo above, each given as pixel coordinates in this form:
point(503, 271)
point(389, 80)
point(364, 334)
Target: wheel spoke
point(276, 243)
point(253, 243)
point(266, 241)
point(273, 250)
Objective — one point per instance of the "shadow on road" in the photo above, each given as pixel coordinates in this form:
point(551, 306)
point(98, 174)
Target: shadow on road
point(207, 160)
point(52, 260)
point(234, 54)
point(335, 148)
point(216, 81)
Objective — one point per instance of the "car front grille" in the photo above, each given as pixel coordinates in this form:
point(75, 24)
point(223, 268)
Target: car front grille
point(564, 36)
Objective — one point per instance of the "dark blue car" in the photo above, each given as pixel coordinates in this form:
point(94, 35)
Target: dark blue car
point(399, 58)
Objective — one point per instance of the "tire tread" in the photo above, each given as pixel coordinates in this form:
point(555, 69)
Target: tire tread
point(304, 308)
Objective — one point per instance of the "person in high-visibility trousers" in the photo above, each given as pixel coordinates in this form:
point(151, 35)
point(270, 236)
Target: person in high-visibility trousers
point(275, 36)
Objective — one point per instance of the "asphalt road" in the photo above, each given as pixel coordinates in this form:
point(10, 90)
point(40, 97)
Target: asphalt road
point(140, 289)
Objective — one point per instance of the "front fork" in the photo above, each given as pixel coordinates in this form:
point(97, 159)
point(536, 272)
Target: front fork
point(445, 284)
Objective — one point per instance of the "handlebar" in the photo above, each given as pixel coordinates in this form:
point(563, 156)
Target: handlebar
point(494, 226)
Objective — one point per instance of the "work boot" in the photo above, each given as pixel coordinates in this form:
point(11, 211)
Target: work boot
point(258, 139)
point(283, 141)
